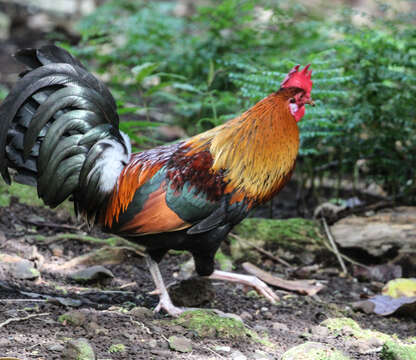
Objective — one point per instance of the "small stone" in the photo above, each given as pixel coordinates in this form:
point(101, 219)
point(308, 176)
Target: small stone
point(366, 346)
point(152, 344)
point(24, 270)
point(180, 343)
point(140, 312)
point(74, 317)
point(260, 355)
point(192, 292)
point(78, 349)
point(268, 315)
point(54, 347)
point(320, 331)
point(261, 328)
point(238, 355)
point(280, 327)
point(225, 349)
point(96, 329)
point(56, 250)
point(91, 274)
point(246, 316)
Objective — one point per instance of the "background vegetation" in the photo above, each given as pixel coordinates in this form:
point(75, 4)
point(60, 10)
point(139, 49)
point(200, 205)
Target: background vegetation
point(201, 67)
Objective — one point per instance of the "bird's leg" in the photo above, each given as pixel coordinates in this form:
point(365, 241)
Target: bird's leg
point(165, 302)
point(249, 280)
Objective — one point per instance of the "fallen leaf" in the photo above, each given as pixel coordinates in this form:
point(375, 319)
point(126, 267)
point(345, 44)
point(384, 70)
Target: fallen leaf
point(400, 288)
point(386, 305)
point(308, 287)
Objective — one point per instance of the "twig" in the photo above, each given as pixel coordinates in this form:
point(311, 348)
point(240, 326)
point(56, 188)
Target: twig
point(52, 225)
point(8, 321)
point(345, 257)
point(112, 241)
point(260, 250)
point(133, 283)
point(334, 246)
point(21, 300)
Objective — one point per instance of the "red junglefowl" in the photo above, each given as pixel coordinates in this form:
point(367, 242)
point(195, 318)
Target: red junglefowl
point(59, 132)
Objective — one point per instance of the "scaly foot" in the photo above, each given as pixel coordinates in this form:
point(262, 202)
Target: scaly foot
point(249, 280)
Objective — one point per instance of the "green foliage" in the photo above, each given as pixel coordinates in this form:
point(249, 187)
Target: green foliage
point(199, 70)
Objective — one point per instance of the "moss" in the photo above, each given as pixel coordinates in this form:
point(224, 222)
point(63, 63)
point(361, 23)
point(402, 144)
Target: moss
point(347, 326)
point(225, 263)
point(26, 195)
point(34, 272)
point(293, 234)
point(117, 348)
point(207, 324)
point(313, 351)
point(395, 351)
point(80, 349)
point(73, 317)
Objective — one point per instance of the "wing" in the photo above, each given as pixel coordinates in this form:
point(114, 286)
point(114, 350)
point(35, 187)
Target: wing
point(171, 188)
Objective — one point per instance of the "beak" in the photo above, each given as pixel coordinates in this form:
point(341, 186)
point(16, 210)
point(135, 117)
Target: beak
point(310, 102)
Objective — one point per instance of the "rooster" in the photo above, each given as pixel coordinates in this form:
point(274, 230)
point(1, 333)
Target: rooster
point(59, 132)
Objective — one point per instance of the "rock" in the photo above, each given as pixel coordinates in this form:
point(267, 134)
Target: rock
point(54, 347)
point(141, 313)
point(268, 315)
point(279, 327)
point(192, 292)
point(78, 349)
point(208, 324)
point(180, 343)
point(395, 351)
point(73, 317)
point(320, 331)
point(24, 270)
point(260, 355)
point(238, 355)
point(367, 346)
point(225, 349)
point(378, 233)
point(91, 274)
point(95, 330)
point(56, 250)
point(246, 316)
point(313, 351)
point(152, 344)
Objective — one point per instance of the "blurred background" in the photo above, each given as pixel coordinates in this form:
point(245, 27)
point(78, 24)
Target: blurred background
point(180, 67)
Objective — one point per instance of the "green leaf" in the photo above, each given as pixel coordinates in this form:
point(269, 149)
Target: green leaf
point(143, 70)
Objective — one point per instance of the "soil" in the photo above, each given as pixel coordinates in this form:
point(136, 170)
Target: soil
point(105, 303)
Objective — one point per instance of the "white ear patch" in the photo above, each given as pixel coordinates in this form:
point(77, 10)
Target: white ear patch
point(293, 108)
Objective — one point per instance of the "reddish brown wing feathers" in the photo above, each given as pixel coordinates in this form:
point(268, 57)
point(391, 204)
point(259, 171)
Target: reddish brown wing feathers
point(141, 168)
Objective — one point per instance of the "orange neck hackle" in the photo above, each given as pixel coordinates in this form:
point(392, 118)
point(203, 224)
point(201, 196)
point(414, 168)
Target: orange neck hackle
point(257, 150)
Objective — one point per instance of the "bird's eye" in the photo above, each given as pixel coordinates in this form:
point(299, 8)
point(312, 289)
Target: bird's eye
point(292, 100)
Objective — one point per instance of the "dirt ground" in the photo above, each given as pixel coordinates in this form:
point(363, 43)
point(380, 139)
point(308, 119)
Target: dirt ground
point(105, 303)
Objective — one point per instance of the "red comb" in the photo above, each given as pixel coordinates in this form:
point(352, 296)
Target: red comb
point(301, 79)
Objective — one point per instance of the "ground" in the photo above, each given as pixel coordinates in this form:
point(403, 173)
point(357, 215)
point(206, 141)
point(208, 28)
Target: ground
point(104, 314)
